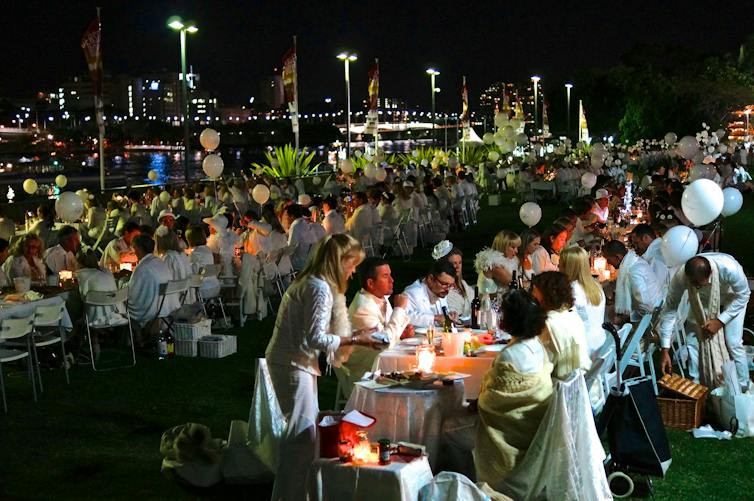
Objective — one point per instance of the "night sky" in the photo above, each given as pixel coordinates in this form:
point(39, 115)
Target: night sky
point(239, 42)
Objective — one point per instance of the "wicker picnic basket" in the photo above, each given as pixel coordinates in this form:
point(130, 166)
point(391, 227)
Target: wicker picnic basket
point(682, 402)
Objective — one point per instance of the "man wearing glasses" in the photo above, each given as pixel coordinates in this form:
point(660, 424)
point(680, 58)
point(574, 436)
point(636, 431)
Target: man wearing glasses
point(427, 296)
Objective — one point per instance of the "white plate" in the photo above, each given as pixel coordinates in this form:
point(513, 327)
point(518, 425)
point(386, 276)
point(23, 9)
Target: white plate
point(412, 341)
point(491, 348)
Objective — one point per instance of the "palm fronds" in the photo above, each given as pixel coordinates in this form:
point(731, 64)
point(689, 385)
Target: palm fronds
point(287, 161)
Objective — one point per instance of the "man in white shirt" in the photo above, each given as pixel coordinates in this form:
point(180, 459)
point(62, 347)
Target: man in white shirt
point(301, 234)
point(63, 256)
point(733, 293)
point(427, 296)
point(4, 252)
point(636, 291)
point(144, 296)
point(601, 202)
point(119, 250)
point(359, 225)
point(649, 246)
point(370, 309)
point(333, 222)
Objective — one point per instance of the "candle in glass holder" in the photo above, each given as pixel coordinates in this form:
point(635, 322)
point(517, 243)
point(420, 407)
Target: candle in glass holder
point(605, 274)
point(126, 266)
point(600, 263)
point(65, 275)
point(425, 358)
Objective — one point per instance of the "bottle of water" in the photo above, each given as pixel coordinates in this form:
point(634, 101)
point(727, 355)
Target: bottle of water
point(162, 346)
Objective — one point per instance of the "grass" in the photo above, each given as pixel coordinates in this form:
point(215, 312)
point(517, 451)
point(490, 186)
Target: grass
point(99, 437)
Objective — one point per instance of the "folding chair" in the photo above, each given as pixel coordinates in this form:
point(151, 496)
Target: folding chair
point(118, 301)
point(48, 330)
point(632, 355)
point(367, 246)
point(14, 329)
point(209, 271)
point(172, 287)
point(108, 230)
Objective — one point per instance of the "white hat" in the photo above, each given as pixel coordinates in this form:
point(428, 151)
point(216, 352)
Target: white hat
point(601, 193)
point(219, 222)
point(304, 199)
point(408, 184)
point(442, 249)
point(165, 213)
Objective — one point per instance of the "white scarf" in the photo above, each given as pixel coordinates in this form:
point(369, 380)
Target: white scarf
point(340, 325)
point(623, 284)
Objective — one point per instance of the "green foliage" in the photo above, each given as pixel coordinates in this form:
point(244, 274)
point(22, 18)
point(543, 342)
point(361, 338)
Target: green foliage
point(472, 155)
point(288, 162)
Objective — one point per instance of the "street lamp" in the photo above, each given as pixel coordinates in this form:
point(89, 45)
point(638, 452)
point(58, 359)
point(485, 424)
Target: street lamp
point(536, 80)
point(432, 75)
point(347, 58)
point(177, 24)
point(568, 87)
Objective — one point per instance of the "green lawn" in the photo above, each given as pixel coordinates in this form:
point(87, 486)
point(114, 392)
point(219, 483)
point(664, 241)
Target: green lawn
point(99, 437)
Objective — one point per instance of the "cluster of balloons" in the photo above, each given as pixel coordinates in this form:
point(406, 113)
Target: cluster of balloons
point(507, 136)
point(212, 164)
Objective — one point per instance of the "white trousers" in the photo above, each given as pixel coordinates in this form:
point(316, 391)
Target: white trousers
point(296, 392)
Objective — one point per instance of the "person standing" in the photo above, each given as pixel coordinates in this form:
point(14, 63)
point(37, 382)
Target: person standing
point(648, 245)
point(312, 319)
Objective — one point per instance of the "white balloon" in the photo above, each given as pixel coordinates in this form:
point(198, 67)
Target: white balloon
point(688, 146)
point(213, 166)
point(370, 170)
point(209, 139)
point(671, 138)
point(164, 197)
point(508, 132)
point(275, 192)
point(588, 180)
point(69, 207)
point(732, 201)
point(722, 149)
point(530, 213)
point(499, 138)
point(522, 139)
point(152, 175)
point(380, 175)
point(679, 244)
point(424, 162)
point(260, 194)
point(597, 161)
point(61, 181)
point(493, 156)
point(501, 119)
point(720, 133)
point(488, 138)
point(598, 149)
point(30, 186)
point(702, 201)
point(346, 166)
point(516, 124)
point(710, 149)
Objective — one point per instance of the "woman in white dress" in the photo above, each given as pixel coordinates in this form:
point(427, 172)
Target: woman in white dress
point(495, 266)
point(26, 260)
point(167, 247)
point(201, 256)
point(312, 318)
point(588, 296)
point(460, 294)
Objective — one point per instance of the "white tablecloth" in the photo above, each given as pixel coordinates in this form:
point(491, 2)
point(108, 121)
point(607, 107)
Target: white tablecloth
point(329, 479)
point(409, 415)
point(476, 367)
point(17, 310)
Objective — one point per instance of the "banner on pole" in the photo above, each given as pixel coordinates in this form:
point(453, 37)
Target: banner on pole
point(91, 44)
point(370, 127)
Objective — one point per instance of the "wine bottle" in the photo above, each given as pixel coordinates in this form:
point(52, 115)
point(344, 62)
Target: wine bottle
point(447, 325)
point(514, 282)
point(476, 305)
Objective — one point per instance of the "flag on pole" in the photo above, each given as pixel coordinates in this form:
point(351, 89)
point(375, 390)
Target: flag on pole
point(91, 43)
point(374, 85)
point(290, 87)
point(583, 130)
point(464, 102)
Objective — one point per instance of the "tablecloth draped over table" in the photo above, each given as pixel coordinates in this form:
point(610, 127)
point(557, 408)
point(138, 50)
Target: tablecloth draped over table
point(13, 309)
point(476, 367)
point(329, 479)
point(410, 415)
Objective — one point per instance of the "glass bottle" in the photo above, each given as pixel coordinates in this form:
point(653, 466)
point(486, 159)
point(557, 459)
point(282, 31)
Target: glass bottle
point(162, 346)
point(476, 305)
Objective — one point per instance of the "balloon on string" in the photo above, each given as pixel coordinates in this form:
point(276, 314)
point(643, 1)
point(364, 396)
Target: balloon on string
point(596, 161)
point(275, 192)
point(516, 124)
point(493, 156)
point(702, 201)
point(424, 162)
point(30, 186)
point(152, 175)
point(588, 180)
point(598, 149)
point(164, 197)
point(61, 181)
point(452, 162)
point(670, 138)
point(679, 244)
point(687, 147)
point(530, 213)
point(213, 166)
point(209, 139)
point(380, 175)
point(732, 201)
point(260, 193)
point(346, 166)
point(69, 207)
point(499, 139)
point(488, 138)
point(522, 139)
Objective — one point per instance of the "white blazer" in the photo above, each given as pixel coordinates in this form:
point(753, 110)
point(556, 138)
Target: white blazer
point(422, 304)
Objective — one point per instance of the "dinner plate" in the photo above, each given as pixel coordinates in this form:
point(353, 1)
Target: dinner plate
point(412, 341)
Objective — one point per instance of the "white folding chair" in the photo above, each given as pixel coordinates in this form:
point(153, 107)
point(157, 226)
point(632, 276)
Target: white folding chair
point(207, 272)
point(172, 288)
point(631, 353)
point(16, 329)
point(117, 300)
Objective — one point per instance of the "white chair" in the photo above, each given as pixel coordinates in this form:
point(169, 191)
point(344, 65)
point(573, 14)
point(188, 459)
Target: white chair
point(207, 272)
point(117, 300)
point(16, 329)
point(631, 353)
point(172, 288)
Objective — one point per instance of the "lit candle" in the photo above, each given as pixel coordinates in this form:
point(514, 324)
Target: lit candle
point(65, 275)
point(600, 263)
point(126, 266)
point(425, 358)
point(605, 274)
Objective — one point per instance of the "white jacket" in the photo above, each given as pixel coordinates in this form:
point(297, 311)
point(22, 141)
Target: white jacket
point(144, 291)
point(423, 305)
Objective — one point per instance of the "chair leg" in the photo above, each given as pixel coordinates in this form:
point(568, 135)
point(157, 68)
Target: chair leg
point(62, 350)
point(2, 389)
point(31, 377)
point(34, 359)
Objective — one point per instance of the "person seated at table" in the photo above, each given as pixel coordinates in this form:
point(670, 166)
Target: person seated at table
point(63, 255)
point(222, 241)
point(636, 289)
point(268, 235)
point(119, 250)
point(546, 256)
point(144, 294)
point(461, 294)
point(26, 260)
point(370, 309)
point(495, 266)
point(648, 245)
point(168, 249)
point(427, 296)
point(515, 391)
point(4, 252)
point(333, 222)
point(588, 296)
point(583, 232)
point(564, 336)
point(201, 256)
point(600, 208)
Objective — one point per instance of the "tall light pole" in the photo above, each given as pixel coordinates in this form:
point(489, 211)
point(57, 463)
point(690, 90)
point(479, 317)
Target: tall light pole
point(347, 59)
point(432, 75)
point(536, 80)
point(177, 24)
point(568, 87)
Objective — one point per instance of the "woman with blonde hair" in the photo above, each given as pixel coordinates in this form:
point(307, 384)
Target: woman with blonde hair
point(167, 248)
point(312, 318)
point(497, 264)
point(26, 260)
point(588, 296)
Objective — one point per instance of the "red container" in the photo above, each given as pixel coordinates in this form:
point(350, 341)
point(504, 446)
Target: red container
point(330, 436)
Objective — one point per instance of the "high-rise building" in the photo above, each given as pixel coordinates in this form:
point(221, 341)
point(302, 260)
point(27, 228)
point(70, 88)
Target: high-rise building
point(505, 96)
point(271, 93)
